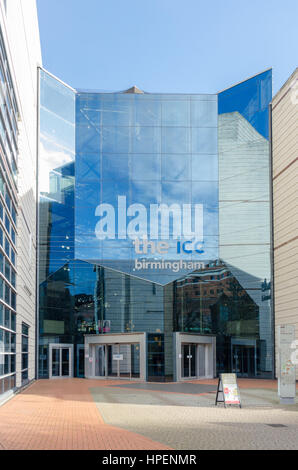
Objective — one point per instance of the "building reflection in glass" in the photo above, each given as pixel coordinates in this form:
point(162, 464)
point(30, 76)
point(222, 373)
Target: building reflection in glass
point(206, 149)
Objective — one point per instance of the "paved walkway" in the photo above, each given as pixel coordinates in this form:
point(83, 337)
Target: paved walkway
point(61, 414)
point(111, 415)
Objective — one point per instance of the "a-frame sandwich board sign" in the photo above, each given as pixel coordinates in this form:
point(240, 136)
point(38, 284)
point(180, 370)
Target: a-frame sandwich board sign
point(227, 390)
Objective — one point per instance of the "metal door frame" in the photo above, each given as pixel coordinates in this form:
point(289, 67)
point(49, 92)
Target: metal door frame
point(82, 347)
point(190, 359)
point(118, 347)
point(61, 346)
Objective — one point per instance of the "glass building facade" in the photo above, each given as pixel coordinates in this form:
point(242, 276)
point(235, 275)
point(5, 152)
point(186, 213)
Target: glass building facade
point(8, 223)
point(154, 219)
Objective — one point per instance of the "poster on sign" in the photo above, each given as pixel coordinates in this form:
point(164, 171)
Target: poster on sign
point(227, 390)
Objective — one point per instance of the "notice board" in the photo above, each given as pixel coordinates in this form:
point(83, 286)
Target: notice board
point(227, 390)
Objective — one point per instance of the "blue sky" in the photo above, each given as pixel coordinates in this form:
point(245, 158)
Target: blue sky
point(178, 46)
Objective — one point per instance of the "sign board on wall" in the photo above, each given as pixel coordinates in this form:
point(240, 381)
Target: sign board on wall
point(286, 368)
point(227, 390)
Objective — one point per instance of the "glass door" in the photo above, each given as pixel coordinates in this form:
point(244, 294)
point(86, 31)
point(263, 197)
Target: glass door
point(135, 360)
point(60, 360)
point(244, 360)
point(113, 363)
point(123, 360)
point(65, 362)
point(100, 360)
point(80, 360)
point(189, 360)
point(55, 368)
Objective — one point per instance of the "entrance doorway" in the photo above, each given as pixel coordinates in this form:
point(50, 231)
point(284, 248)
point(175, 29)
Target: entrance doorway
point(244, 360)
point(61, 359)
point(189, 360)
point(195, 356)
point(118, 356)
point(80, 360)
point(193, 360)
point(117, 360)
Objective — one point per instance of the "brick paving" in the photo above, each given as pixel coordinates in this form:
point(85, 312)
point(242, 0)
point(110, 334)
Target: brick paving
point(61, 414)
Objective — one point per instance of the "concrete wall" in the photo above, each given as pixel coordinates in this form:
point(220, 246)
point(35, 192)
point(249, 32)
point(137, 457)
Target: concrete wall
point(285, 202)
point(19, 25)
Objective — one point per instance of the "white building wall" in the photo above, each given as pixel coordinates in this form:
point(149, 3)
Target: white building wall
point(19, 25)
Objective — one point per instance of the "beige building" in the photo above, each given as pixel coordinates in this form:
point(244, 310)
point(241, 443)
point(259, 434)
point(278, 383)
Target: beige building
point(285, 202)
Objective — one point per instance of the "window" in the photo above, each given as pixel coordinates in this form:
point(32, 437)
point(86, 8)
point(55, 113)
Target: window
point(13, 276)
point(7, 223)
point(7, 294)
point(13, 257)
point(8, 201)
point(13, 300)
point(13, 321)
point(7, 318)
point(7, 270)
point(14, 214)
point(7, 247)
point(25, 352)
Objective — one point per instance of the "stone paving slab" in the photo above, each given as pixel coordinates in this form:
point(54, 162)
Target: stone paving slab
point(121, 393)
point(185, 387)
point(182, 423)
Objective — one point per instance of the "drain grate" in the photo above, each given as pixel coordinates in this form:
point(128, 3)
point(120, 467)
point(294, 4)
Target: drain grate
point(277, 425)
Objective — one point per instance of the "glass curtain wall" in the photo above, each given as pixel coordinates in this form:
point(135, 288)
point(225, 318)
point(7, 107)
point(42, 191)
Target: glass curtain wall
point(56, 213)
point(156, 149)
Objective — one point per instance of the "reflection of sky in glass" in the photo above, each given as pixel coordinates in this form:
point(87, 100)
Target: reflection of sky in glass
point(57, 127)
point(56, 174)
point(251, 99)
point(151, 149)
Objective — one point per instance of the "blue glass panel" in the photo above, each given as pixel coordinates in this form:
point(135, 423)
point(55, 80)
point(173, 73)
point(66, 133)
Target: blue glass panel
point(115, 139)
point(145, 167)
point(147, 112)
point(204, 167)
point(175, 140)
point(146, 140)
point(173, 192)
point(88, 166)
point(175, 113)
point(204, 140)
point(251, 99)
point(204, 113)
point(88, 138)
point(116, 111)
point(115, 167)
point(176, 167)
